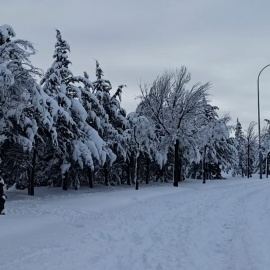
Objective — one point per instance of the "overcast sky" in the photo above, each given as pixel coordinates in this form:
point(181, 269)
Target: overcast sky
point(226, 42)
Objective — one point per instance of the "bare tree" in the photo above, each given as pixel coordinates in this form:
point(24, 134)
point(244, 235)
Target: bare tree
point(173, 108)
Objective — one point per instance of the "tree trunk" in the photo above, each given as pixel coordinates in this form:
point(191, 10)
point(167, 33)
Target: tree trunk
point(106, 174)
point(180, 168)
point(162, 174)
point(64, 181)
point(29, 179)
point(31, 190)
point(137, 185)
point(207, 171)
point(137, 170)
point(90, 178)
point(218, 170)
point(0, 162)
point(203, 165)
point(203, 173)
point(267, 165)
point(128, 174)
point(248, 173)
point(138, 163)
point(147, 170)
point(176, 161)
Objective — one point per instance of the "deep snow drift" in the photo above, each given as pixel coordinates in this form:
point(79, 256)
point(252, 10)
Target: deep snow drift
point(224, 224)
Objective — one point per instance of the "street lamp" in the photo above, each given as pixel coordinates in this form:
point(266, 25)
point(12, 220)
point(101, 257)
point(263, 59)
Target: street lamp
point(259, 120)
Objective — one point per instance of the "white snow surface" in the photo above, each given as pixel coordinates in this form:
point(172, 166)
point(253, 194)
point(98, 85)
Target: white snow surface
point(224, 224)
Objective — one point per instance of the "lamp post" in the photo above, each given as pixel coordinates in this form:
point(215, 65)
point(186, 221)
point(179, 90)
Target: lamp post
point(259, 120)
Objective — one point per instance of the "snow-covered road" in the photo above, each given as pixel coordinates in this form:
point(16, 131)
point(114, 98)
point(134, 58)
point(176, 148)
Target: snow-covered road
point(221, 225)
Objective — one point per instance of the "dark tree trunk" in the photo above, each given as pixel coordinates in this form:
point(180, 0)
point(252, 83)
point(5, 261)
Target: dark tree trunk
point(203, 165)
point(29, 179)
point(64, 181)
point(31, 186)
point(138, 161)
point(139, 166)
point(106, 174)
point(0, 162)
point(267, 166)
point(180, 168)
point(147, 170)
point(2, 200)
point(137, 185)
point(162, 173)
point(176, 161)
point(128, 174)
point(218, 172)
point(248, 163)
point(90, 178)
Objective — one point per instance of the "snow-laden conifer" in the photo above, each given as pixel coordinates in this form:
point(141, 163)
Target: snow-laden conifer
point(112, 120)
point(23, 109)
point(78, 142)
point(240, 143)
point(217, 148)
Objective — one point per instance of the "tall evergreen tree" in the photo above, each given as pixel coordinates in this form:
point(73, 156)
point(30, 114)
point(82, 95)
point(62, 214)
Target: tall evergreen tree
point(78, 142)
point(115, 121)
point(23, 104)
point(240, 142)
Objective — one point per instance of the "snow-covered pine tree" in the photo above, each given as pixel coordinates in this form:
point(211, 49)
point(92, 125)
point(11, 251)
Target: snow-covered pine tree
point(116, 114)
point(240, 143)
point(217, 148)
point(78, 142)
point(115, 117)
point(213, 139)
point(23, 108)
point(99, 120)
point(54, 87)
point(238, 130)
point(118, 119)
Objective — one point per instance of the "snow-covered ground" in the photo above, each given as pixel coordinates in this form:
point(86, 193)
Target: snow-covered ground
point(224, 224)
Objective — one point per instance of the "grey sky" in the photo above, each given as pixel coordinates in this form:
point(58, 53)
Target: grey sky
point(226, 42)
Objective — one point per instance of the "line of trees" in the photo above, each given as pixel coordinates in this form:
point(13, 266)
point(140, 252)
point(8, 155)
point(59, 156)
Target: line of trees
point(70, 131)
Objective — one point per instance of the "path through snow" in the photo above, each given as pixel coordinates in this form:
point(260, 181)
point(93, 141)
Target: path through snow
point(220, 225)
